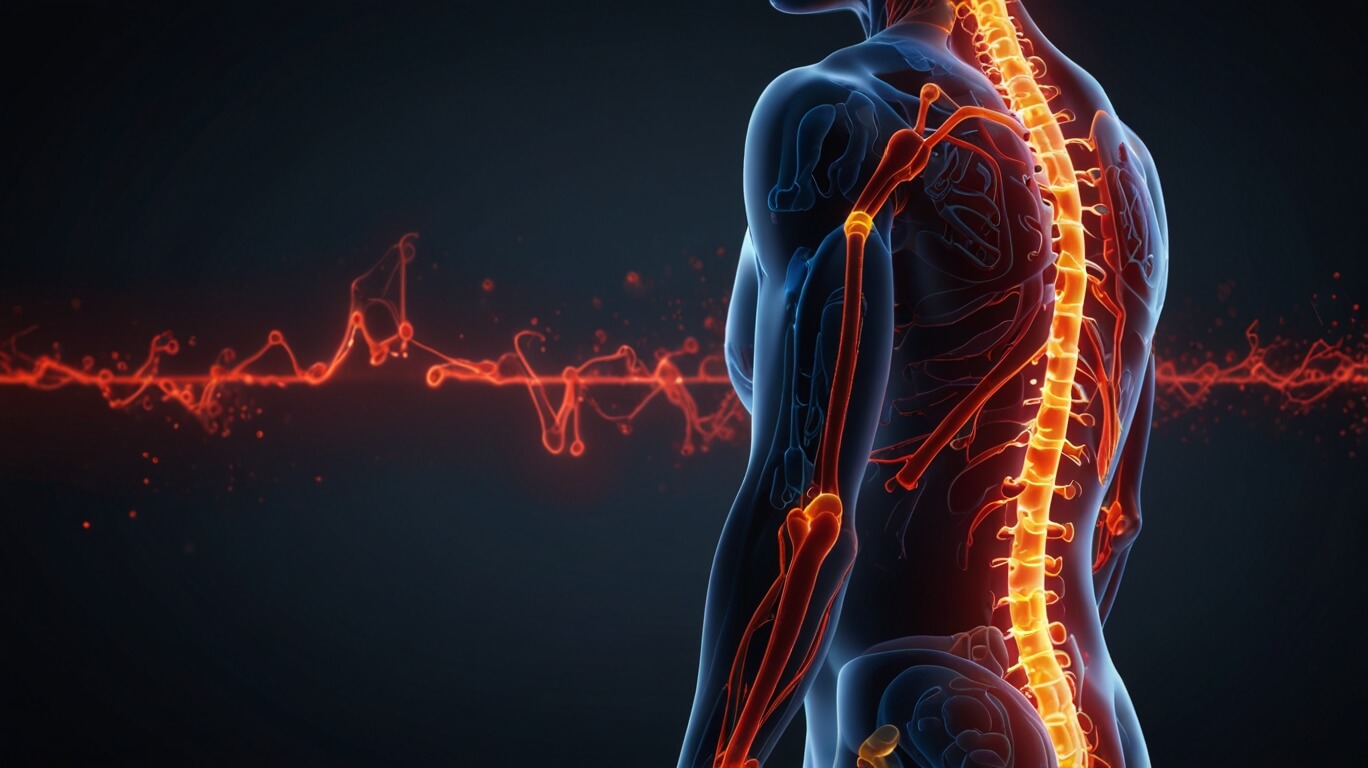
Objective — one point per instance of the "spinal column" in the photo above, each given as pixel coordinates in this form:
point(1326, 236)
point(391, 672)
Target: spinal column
point(1001, 56)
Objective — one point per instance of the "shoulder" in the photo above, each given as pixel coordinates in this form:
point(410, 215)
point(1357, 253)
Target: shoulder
point(809, 85)
point(814, 134)
point(1150, 173)
point(809, 94)
point(828, 83)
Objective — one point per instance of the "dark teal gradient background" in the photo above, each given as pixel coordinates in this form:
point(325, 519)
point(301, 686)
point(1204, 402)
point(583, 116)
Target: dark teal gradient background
point(450, 594)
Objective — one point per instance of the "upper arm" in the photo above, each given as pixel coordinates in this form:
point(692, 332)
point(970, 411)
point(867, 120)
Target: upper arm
point(807, 146)
point(810, 148)
point(811, 144)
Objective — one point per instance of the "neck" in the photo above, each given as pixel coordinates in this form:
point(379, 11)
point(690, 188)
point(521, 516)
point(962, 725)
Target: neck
point(885, 14)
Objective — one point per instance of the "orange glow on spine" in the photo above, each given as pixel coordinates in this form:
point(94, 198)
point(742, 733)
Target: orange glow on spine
point(1028, 565)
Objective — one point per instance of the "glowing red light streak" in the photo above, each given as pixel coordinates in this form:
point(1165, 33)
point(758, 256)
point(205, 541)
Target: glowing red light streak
point(1302, 376)
point(275, 364)
point(1321, 371)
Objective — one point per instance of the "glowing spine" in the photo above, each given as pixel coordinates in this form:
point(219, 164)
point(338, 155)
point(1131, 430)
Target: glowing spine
point(1028, 564)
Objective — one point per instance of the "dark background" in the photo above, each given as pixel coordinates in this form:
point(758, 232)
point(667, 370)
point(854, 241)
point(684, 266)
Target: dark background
point(449, 593)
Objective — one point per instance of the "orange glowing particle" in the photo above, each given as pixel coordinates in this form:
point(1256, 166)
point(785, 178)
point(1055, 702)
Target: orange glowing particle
point(85, 524)
point(487, 285)
point(260, 434)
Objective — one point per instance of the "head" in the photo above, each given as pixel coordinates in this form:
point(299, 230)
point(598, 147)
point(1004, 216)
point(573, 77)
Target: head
point(877, 15)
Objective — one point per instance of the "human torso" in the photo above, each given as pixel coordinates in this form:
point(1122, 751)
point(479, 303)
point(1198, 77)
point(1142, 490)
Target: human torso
point(974, 286)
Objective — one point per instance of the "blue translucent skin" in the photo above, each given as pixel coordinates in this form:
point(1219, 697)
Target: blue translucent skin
point(960, 274)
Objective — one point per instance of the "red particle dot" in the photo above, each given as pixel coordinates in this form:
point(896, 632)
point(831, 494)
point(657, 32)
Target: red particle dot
point(85, 524)
point(318, 478)
point(487, 285)
point(132, 514)
point(260, 434)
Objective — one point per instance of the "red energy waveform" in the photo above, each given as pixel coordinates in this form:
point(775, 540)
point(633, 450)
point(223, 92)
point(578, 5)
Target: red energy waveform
point(1302, 376)
point(378, 317)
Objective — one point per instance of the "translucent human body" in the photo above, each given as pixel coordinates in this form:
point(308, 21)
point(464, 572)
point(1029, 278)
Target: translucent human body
point(961, 256)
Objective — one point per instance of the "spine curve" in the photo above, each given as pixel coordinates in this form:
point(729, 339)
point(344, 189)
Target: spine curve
point(1028, 565)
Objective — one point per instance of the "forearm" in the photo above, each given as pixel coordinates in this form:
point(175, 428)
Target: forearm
point(787, 546)
point(773, 603)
